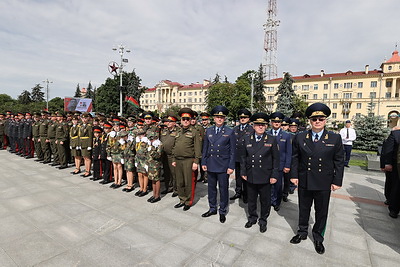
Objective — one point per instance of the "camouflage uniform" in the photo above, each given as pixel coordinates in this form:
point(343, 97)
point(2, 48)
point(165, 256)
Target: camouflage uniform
point(115, 149)
point(154, 160)
point(141, 154)
point(129, 155)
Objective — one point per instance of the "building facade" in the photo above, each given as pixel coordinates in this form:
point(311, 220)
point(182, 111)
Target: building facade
point(350, 94)
point(167, 93)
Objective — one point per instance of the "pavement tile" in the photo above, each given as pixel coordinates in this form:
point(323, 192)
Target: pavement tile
point(68, 258)
point(250, 259)
point(171, 255)
point(71, 208)
point(5, 260)
point(220, 253)
point(98, 222)
point(192, 241)
point(238, 238)
point(383, 248)
point(348, 254)
point(15, 226)
point(32, 249)
point(210, 228)
point(355, 240)
point(41, 217)
point(383, 261)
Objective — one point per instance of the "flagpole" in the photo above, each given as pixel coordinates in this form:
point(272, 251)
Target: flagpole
point(121, 48)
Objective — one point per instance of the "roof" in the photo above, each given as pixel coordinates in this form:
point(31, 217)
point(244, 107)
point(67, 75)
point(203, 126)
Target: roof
point(194, 85)
point(395, 57)
point(150, 89)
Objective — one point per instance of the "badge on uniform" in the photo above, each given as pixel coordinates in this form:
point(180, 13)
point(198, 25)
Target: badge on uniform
point(225, 135)
point(249, 145)
point(283, 140)
point(268, 145)
point(329, 144)
point(210, 135)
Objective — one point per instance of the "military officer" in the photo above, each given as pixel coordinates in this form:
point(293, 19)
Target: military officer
point(285, 124)
point(86, 142)
point(186, 155)
point(259, 167)
point(205, 123)
point(44, 141)
point(74, 144)
point(242, 130)
point(108, 166)
point(285, 154)
point(218, 160)
point(317, 169)
point(62, 137)
point(288, 186)
point(36, 137)
point(27, 135)
point(2, 131)
point(51, 136)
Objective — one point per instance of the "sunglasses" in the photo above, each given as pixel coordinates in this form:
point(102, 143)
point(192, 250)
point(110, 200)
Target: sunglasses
point(185, 119)
point(318, 119)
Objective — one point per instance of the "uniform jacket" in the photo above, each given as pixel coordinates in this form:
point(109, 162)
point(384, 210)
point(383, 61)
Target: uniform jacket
point(167, 137)
point(240, 134)
point(62, 132)
point(260, 160)
point(285, 148)
point(389, 155)
point(317, 165)
point(74, 135)
point(187, 145)
point(219, 149)
point(96, 152)
point(85, 135)
point(28, 128)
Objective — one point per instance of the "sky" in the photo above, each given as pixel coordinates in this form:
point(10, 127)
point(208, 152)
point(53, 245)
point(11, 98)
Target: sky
point(70, 42)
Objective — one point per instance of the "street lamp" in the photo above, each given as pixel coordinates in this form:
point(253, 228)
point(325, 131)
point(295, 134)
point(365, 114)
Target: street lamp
point(252, 76)
point(121, 49)
point(47, 93)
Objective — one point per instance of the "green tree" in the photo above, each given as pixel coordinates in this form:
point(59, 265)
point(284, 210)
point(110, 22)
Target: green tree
point(6, 102)
point(371, 131)
point(133, 88)
point(259, 101)
point(56, 104)
point(173, 109)
point(89, 91)
point(36, 94)
point(78, 91)
point(220, 94)
point(299, 105)
point(241, 97)
point(25, 97)
point(286, 95)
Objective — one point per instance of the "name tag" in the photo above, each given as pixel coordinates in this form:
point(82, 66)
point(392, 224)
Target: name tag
point(268, 145)
point(225, 135)
point(249, 145)
point(329, 144)
point(210, 135)
point(283, 140)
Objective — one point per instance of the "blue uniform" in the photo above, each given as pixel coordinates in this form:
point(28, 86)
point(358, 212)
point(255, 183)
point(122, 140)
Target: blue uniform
point(219, 156)
point(285, 154)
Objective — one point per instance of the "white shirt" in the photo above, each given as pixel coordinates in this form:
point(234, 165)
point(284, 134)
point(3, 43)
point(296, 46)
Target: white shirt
point(352, 136)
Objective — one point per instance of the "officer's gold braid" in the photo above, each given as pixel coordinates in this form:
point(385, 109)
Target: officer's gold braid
point(138, 145)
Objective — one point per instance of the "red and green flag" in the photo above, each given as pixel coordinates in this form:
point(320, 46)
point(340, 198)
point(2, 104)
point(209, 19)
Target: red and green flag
point(132, 101)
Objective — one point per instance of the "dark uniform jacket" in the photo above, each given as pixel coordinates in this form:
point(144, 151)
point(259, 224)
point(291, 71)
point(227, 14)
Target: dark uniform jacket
point(219, 149)
point(62, 132)
point(27, 128)
point(187, 145)
point(285, 148)
point(317, 165)
point(390, 149)
point(240, 134)
point(96, 152)
point(260, 162)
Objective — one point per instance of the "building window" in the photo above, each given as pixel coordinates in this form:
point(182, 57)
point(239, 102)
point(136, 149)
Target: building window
point(190, 93)
point(345, 116)
point(184, 94)
point(180, 94)
point(315, 96)
point(388, 95)
point(305, 87)
point(195, 93)
point(190, 100)
point(388, 83)
point(347, 95)
point(359, 95)
point(390, 68)
point(335, 95)
point(294, 87)
point(173, 94)
point(315, 86)
point(173, 100)
point(325, 86)
point(335, 86)
point(304, 97)
point(358, 106)
point(374, 84)
point(325, 96)
point(360, 84)
point(348, 85)
point(334, 115)
point(200, 100)
point(270, 98)
point(184, 100)
point(334, 106)
point(372, 94)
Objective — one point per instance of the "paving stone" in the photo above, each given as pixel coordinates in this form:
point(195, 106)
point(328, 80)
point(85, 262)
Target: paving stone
point(13, 227)
point(383, 248)
point(220, 253)
point(383, 261)
point(348, 254)
point(71, 208)
point(249, 259)
point(68, 258)
point(98, 222)
point(237, 238)
point(171, 255)
point(5, 260)
point(42, 216)
point(192, 241)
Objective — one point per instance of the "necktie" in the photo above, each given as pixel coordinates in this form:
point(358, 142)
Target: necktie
point(241, 127)
point(258, 138)
point(217, 130)
point(275, 132)
point(316, 138)
point(347, 136)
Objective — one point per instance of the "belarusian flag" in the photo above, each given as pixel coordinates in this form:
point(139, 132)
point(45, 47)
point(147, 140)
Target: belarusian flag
point(132, 101)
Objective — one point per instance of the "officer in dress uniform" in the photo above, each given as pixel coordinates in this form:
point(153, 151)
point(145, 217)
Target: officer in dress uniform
point(36, 136)
point(51, 136)
point(107, 167)
point(205, 123)
point(62, 138)
point(28, 143)
point(218, 160)
point(285, 154)
point(259, 167)
point(2, 131)
point(44, 141)
point(242, 130)
point(86, 142)
point(285, 124)
point(317, 169)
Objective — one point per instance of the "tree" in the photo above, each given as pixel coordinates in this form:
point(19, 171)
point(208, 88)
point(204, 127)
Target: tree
point(77, 91)
point(299, 105)
point(56, 104)
point(286, 95)
point(25, 97)
point(259, 101)
point(173, 109)
point(37, 95)
point(371, 131)
point(134, 89)
point(89, 91)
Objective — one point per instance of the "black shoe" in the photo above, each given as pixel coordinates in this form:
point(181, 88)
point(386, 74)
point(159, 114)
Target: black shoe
point(128, 189)
point(54, 164)
point(112, 185)
point(205, 181)
point(164, 192)
point(319, 247)
point(117, 186)
point(28, 157)
point(91, 178)
point(263, 228)
point(179, 205)
point(386, 202)
point(208, 213)
point(174, 194)
point(150, 199)
point(138, 193)
point(143, 193)
point(86, 174)
point(393, 214)
point(291, 191)
point(62, 167)
point(103, 182)
point(39, 160)
point(277, 208)
point(155, 200)
point(222, 218)
point(235, 196)
point(74, 173)
point(46, 161)
point(297, 239)
point(285, 199)
point(249, 224)
point(186, 207)
point(245, 200)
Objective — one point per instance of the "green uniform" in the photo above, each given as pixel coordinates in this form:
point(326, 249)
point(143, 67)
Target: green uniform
point(154, 160)
point(36, 136)
point(62, 134)
point(129, 156)
point(85, 140)
point(167, 138)
point(141, 154)
point(186, 151)
point(51, 136)
point(74, 141)
point(43, 130)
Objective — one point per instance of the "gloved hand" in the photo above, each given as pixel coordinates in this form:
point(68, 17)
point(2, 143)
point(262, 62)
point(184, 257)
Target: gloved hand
point(146, 168)
point(148, 148)
point(89, 148)
point(70, 147)
point(156, 143)
point(137, 139)
point(122, 161)
point(121, 141)
point(113, 134)
point(109, 158)
point(78, 148)
point(130, 138)
point(136, 164)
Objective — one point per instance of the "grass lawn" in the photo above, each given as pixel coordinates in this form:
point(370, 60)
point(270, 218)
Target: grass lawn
point(358, 162)
point(356, 151)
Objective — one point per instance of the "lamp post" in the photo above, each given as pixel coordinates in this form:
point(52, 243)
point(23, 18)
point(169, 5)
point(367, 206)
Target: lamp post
point(252, 76)
point(47, 93)
point(121, 49)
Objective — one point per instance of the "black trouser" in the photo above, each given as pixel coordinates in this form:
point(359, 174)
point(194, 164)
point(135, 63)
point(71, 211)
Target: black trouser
point(394, 191)
point(320, 198)
point(388, 184)
point(98, 168)
point(169, 172)
point(241, 184)
point(347, 153)
point(264, 191)
point(287, 185)
point(107, 171)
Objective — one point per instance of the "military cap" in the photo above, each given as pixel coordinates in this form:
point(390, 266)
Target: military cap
point(75, 117)
point(122, 125)
point(20, 113)
point(195, 114)
point(244, 113)
point(77, 113)
point(220, 111)
point(131, 118)
point(294, 122)
point(97, 129)
point(107, 125)
point(37, 114)
point(116, 120)
point(348, 121)
point(171, 118)
point(148, 115)
point(53, 114)
point(8, 112)
point(297, 115)
point(185, 113)
point(205, 115)
point(152, 135)
point(318, 110)
point(44, 112)
point(286, 121)
point(2, 114)
point(259, 118)
point(140, 122)
point(276, 116)
point(123, 133)
point(28, 114)
point(86, 115)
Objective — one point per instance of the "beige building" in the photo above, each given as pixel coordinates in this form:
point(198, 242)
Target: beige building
point(350, 93)
point(167, 93)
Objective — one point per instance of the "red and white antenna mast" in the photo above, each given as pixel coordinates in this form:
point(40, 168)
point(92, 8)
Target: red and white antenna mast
point(270, 42)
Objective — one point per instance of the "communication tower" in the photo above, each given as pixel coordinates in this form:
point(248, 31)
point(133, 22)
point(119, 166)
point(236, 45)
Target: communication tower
point(270, 42)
